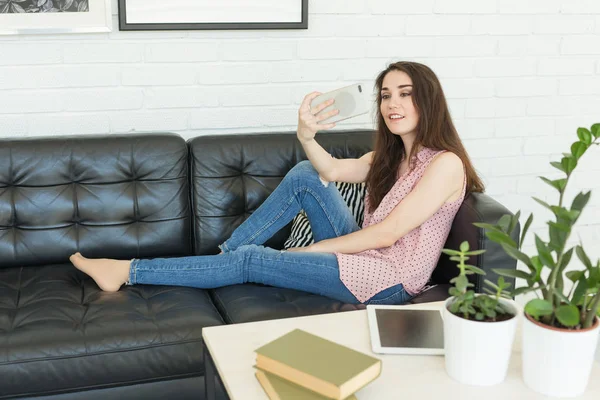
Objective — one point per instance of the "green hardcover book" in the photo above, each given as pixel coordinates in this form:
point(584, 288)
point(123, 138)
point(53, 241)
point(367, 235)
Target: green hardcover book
point(323, 366)
point(279, 389)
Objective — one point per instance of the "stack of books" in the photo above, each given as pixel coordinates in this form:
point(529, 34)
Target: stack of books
point(300, 365)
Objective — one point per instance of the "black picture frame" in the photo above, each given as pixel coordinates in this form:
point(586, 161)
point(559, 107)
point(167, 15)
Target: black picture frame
point(125, 26)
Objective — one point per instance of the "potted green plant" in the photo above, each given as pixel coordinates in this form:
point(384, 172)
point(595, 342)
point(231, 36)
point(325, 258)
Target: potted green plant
point(561, 325)
point(470, 317)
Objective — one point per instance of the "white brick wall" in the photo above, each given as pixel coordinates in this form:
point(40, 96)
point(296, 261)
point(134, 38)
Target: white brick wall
point(520, 77)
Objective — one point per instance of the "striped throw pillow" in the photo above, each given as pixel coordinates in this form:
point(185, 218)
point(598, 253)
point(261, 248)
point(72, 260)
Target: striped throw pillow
point(352, 193)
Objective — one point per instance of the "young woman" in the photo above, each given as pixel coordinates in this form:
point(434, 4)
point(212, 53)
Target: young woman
point(416, 180)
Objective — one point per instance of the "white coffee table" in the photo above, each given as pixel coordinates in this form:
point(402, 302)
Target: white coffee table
point(231, 347)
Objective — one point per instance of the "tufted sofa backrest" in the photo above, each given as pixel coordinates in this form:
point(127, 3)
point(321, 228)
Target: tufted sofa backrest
point(120, 196)
point(233, 174)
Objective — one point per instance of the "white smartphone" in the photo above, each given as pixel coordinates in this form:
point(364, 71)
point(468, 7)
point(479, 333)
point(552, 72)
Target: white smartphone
point(351, 101)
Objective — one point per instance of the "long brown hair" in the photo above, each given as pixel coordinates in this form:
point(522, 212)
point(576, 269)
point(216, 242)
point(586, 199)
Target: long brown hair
point(435, 130)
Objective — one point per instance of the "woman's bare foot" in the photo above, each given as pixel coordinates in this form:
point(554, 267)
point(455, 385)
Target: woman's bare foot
point(109, 274)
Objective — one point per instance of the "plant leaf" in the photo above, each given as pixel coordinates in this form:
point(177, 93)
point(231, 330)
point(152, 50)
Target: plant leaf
point(464, 247)
point(558, 165)
point(543, 253)
point(538, 308)
point(580, 201)
point(512, 273)
point(579, 290)
point(504, 222)
point(584, 135)
point(475, 269)
point(558, 184)
point(583, 257)
point(577, 149)
point(488, 227)
point(568, 315)
point(525, 229)
point(543, 203)
point(501, 237)
point(574, 276)
point(596, 130)
point(516, 254)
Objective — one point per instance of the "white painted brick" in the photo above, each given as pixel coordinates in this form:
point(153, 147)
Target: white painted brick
point(180, 97)
point(258, 50)
point(157, 75)
point(105, 99)
point(568, 125)
point(30, 101)
point(580, 7)
point(547, 145)
point(525, 87)
point(573, 86)
point(528, 46)
point(239, 96)
point(496, 107)
point(493, 147)
point(30, 53)
point(337, 7)
point(475, 128)
point(307, 70)
point(181, 52)
point(492, 67)
point(467, 88)
point(325, 49)
point(68, 124)
point(465, 7)
point(563, 105)
point(403, 7)
point(534, 186)
point(581, 44)
point(557, 66)
point(51, 76)
point(154, 120)
point(365, 70)
point(464, 46)
point(222, 118)
point(82, 53)
point(400, 47)
point(524, 127)
point(500, 25)
point(367, 25)
point(277, 116)
point(500, 185)
point(13, 125)
point(240, 73)
point(563, 24)
point(528, 6)
point(452, 67)
point(422, 25)
point(500, 165)
point(457, 108)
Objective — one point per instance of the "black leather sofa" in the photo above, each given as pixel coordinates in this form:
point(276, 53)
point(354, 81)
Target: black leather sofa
point(145, 196)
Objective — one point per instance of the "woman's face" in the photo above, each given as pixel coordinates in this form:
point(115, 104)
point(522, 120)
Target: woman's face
point(397, 106)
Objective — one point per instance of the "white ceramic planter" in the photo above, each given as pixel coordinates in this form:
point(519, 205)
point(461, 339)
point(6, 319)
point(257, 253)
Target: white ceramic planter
point(557, 362)
point(478, 353)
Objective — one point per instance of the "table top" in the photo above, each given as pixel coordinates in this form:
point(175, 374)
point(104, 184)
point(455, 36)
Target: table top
point(232, 349)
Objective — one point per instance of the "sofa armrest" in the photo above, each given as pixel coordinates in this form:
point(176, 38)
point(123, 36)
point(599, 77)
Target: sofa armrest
point(434, 293)
point(477, 207)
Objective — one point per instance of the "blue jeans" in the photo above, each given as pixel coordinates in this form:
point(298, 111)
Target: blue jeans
point(245, 260)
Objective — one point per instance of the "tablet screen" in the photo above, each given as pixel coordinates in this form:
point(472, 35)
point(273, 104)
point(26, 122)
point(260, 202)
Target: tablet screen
point(410, 328)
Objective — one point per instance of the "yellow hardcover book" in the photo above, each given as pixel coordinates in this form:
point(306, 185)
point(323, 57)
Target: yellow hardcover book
point(318, 364)
point(279, 389)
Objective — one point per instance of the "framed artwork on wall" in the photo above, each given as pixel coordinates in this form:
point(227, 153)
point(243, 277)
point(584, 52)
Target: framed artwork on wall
point(150, 15)
point(54, 16)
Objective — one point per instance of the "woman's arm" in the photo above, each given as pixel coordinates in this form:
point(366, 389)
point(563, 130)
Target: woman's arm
point(330, 169)
point(442, 179)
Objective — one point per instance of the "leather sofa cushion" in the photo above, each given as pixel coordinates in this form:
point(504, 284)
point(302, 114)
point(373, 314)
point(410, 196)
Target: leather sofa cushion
point(118, 196)
point(60, 333)
point(233, 174)
point(254, 302)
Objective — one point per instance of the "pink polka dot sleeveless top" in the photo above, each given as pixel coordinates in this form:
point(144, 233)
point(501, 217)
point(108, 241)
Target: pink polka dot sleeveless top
point(412, 259)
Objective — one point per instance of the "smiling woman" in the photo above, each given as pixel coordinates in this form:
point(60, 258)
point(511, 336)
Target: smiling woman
point(43, 6)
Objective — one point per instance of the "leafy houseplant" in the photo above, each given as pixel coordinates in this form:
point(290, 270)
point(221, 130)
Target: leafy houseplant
point(573, 311)
point(469, 317)
point(466, 304)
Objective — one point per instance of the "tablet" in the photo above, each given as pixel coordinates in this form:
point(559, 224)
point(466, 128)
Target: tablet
point(404, 330)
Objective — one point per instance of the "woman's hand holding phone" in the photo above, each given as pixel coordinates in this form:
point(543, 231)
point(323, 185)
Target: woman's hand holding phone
point(308, 119)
